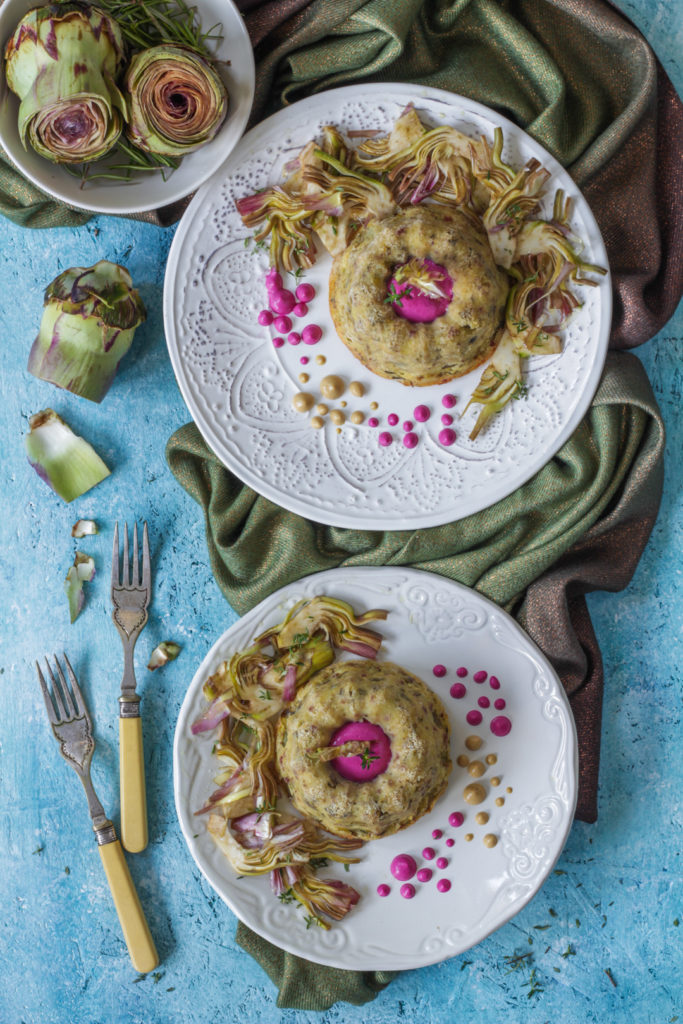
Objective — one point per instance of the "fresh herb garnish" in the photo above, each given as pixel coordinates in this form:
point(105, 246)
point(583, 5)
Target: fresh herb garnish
point(395, 297)
point(367, 758)
point(146, 23)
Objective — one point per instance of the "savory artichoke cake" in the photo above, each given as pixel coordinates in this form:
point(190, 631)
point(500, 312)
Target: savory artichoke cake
point(364, 749)
point(417, 296)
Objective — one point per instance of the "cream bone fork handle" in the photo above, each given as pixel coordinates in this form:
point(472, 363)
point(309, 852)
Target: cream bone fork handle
point(130, 594)
point(72, 728)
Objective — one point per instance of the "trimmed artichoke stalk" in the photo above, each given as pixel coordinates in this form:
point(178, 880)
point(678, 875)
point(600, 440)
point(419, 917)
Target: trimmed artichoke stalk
point(176, 100)
point(89, 320)
point(84, 528)
point(62, 459)
point(82, 571)
point(166, 651)
point(62, 62)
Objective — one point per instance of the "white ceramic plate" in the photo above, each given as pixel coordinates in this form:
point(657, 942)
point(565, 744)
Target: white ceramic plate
point(144, 191)
point(432, 621)
point(239, 389)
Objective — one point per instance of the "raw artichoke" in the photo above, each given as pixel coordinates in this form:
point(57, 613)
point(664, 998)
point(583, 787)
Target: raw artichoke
point(66, 462)
point(176, 100)
point(62, 62)
point(89, 320)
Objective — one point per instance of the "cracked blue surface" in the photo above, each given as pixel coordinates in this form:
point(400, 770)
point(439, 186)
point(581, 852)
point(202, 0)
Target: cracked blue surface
point(612, 904)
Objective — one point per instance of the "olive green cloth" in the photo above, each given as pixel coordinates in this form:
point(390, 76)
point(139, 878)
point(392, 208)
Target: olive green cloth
point(256, 547)
point(582, 81)
point(601, 490)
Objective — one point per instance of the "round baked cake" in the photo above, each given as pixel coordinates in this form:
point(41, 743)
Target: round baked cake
point(456, 324)
point(364, 749)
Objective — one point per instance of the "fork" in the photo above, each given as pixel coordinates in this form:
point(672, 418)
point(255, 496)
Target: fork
point(130, 594)
point(72, 728)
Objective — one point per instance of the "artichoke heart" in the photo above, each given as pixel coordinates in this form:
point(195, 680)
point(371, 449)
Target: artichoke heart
point(89, 319)
point(62, 62)
point(176, 100)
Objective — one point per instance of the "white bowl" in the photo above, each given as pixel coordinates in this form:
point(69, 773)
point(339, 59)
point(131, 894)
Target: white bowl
point(145, 191)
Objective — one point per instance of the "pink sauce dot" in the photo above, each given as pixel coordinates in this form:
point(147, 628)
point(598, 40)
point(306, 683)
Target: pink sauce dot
point(383, 890)
point(385, 438)
point(458, 691)
point(447, 437)
point(448, 401)
point(439, 671)
point(283, 324)
point(424, 874)
point(294, 338)
point(392, 419)
point(278, 342)
point(501, 725)
point(403, 867)
point(305, 292)
point(480, 677)
point(456, 819)
point(450, 842)
point(494, 683)
point(441, 863)
point(373, 422)
point(301, 309)
point(354, 766)
point(407, 891)
point(265, 318)
point(443, 885)
point(437, 833)
point(461, 672)
point(484, 702)
point(304, 360)
point(282, 301)
point(428, 853)
point(499, 704)
point(446, 419)
point(407, 425)
point(410, 440)
point(273, 280)
point(474, 717)
point(421, 413)
point(311, 334)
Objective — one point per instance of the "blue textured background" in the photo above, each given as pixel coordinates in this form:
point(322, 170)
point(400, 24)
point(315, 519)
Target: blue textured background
point(614, 901)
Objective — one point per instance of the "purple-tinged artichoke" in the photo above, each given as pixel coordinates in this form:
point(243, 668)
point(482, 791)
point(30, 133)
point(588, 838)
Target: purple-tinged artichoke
point(66, 462)
point(88, 323)
point(62, 62)
point(176, 101)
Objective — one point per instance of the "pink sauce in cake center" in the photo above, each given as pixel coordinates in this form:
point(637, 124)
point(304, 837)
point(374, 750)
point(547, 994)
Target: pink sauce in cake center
point(410, 301)
point(372, 761)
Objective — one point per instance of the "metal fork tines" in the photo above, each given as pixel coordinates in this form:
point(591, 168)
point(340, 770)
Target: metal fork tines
point(72, 728)
point(130, 594)
point(131, 588)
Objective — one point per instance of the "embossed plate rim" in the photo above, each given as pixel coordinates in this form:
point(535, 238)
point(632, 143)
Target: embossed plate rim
point(333, 505)
point(501, 896)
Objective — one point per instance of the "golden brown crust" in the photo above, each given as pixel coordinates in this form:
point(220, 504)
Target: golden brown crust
point(412, 717)
point(414, 353)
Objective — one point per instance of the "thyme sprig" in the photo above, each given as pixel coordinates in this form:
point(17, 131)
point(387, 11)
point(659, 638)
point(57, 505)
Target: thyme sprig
point(367, 758)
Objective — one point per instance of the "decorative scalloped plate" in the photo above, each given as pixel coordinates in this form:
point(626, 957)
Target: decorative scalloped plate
point(431, 621)
point(239, 388)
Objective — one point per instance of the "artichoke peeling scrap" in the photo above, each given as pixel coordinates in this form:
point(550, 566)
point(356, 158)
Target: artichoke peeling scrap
point(177, 101)
point(89, 319)
point(65, 461)
point(62, 62)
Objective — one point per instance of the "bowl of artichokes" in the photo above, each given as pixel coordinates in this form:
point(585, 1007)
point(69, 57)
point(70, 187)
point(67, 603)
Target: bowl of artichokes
point(122, 106)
